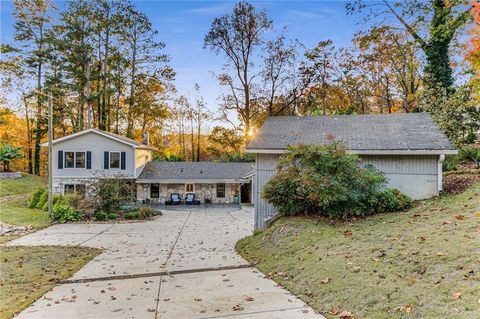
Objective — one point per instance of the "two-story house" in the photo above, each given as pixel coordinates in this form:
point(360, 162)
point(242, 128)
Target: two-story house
point(82, 157)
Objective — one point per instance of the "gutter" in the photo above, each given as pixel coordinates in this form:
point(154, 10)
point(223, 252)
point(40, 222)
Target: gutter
point(365, 152)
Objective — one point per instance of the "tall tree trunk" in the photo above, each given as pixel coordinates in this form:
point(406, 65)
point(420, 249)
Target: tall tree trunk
point(131, 102)
point(192, 138)
point(38, 128)
point(29, 137)
point(103, 122)
point(198, 139)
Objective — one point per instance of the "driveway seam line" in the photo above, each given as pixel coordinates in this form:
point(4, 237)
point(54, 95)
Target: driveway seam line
point(154, 274)
point(98, 234)
point(166, 261)
point(252, 313)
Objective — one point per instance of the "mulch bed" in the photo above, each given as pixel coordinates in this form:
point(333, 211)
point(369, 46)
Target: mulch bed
point(457, 183)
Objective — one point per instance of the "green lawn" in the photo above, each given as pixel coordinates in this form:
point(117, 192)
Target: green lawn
point(26, 273)
point(423, 263)
point(25, 185)
point(17, 213)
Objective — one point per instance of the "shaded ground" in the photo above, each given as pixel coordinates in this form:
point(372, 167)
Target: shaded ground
point(29, 272)
point(419, 264)
point(457, 182)
point(178, 265)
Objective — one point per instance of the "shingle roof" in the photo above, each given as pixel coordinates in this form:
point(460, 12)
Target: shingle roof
point(195, 171)
point(385, 132)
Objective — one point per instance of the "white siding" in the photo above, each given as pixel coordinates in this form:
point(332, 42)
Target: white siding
point(97, 144)
point(141, 158)
point(416, 176)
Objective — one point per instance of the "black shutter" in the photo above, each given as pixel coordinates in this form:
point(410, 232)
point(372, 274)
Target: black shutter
point(123, 157)
point(60, 159)
point(106, 160)
point(89, 160)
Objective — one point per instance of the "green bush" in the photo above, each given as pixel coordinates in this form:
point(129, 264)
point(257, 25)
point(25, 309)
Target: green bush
point(131, 215)
point(32, 203)
point(112, 216)
point(42, 200)
point(390, 200)
point(450, 163)
point(469, 154)
point(100, 216)
point(323, 180)
point(64, 213)
point(55, 199)
point(112, 194)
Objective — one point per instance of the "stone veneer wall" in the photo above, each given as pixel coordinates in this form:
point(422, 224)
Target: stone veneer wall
point(58, 184)
point(202, 191)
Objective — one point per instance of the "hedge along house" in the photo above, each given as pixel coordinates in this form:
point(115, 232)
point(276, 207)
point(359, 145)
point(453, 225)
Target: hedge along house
point(82, 157)
point(211, 182)
point(407, 148)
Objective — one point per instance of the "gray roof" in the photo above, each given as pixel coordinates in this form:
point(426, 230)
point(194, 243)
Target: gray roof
point(195, 171)
point(385, 132)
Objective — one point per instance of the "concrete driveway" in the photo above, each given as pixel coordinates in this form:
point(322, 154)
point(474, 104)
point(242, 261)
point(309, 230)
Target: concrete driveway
point(180, 265)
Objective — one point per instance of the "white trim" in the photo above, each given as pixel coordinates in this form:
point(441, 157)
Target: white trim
point(74, 159)
point(92, 130)
point(119, 160)
point(366, 152)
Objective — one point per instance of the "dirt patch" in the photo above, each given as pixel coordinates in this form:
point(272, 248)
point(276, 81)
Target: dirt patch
point(458, 183)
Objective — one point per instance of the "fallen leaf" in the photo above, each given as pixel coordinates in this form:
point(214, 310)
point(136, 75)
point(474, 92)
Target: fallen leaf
point(151, 310)
point(457, 295)
point(408, 308)
point(347, 233)
point(333, 311)
point(356, 269)
point(345, 314)
point(248, 298)
point(237, 307)
point(197, 299)
point(460, 217)
point(325, 280)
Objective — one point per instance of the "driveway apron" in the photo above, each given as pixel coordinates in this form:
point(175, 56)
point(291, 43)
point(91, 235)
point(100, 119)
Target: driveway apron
point(180, 265)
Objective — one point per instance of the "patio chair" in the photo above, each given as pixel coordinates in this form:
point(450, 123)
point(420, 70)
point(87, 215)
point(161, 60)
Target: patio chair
point(190, 200)
point(174, 199)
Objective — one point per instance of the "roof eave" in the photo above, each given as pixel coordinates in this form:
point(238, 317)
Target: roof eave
point(366, 152)
point(182, 181)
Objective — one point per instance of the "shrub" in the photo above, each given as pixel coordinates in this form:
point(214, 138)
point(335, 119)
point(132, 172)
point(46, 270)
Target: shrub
point(64, 213)
point(323, 180)
point(72, 200)
point(100, 216)
point(131, 215)
point(32, 203)
point(470, 154)
point(42, 200)
point(112, 216)
point(112, 194)
point(55, 199)
point(450, 163)
point(390, 200)
point(145, 212)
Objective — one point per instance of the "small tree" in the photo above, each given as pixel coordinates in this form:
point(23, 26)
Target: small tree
point(9, 153)
point(112, 194)
point(323, 180)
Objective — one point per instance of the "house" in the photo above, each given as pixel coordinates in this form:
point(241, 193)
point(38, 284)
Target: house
point(211, 182)
point(407, 148)
point(83, 157)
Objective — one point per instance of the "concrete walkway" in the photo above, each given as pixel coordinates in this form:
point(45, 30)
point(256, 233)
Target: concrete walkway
point(180, 265)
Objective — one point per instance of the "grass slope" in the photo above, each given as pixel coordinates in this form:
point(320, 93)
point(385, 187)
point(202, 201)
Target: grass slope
point(422, 263)
point(26, 273)
point(25, 185)
point(16, 213)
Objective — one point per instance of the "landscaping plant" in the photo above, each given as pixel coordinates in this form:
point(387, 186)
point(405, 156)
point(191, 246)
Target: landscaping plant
point(100, 216)
point(112, 194)
point(327, 181)
point(64, 213)
point(9, 153)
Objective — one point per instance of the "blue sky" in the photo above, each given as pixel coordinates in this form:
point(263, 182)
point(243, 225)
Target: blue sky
point(182, 25)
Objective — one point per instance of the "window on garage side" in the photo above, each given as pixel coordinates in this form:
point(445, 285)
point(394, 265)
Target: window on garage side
point(221, 190)
point(154, 190)
point(189, 188)
point(114, 159)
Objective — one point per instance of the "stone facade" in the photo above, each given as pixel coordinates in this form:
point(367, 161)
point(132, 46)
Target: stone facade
point(58, 184)
point(202, 191)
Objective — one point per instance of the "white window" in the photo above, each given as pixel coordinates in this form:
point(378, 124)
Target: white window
point(75, 188)
point(114, 159)
point(75, 159)
point(189, 188)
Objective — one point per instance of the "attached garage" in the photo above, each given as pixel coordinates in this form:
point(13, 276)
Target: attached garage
point(407, 148)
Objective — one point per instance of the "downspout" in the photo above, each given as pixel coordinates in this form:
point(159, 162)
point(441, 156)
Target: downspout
point(441, 158)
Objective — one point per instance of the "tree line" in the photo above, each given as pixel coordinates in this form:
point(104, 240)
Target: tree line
point(106, 68)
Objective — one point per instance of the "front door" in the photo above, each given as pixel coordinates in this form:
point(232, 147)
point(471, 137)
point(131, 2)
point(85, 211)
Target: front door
point(246, 193)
